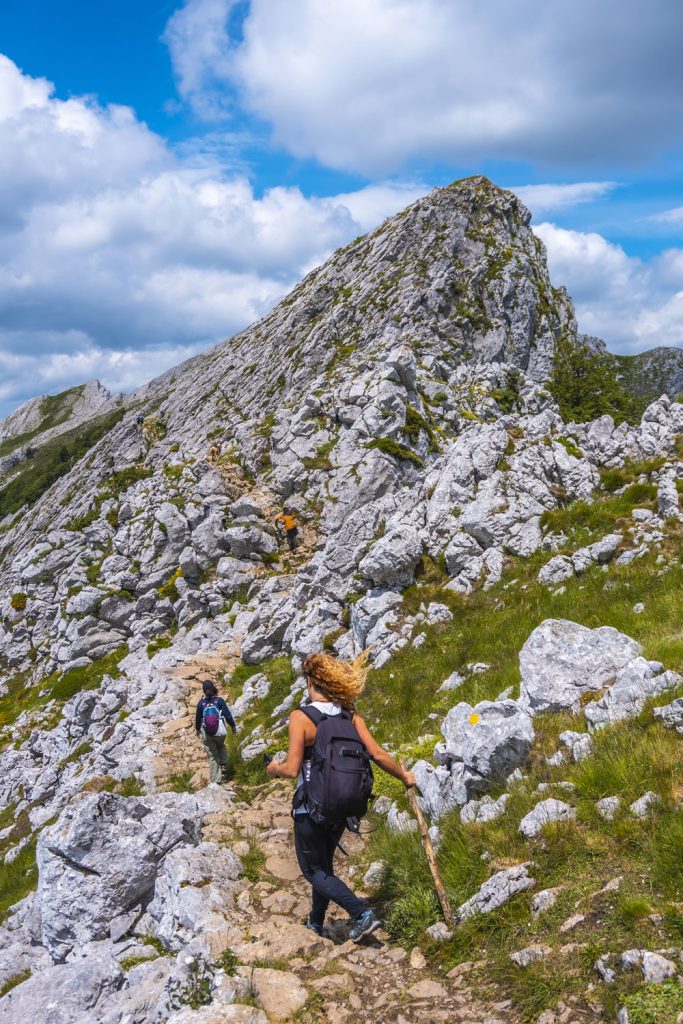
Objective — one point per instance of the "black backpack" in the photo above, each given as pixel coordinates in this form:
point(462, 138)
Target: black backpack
point(340, 782)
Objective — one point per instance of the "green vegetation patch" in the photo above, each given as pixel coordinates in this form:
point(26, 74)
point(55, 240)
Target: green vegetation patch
point(586, 385)
point(169, 589)
point(253, 862)
point(114, 486)
point(180, 782)
point(321, 459)
point(655, 1004)
point(396, 450)
point(12, 982)
point(63, 687)
point(18, 878)
point(415, 424)
point(158, 644)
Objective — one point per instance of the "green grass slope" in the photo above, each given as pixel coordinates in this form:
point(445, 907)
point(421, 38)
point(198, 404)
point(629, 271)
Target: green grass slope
point(402, 704)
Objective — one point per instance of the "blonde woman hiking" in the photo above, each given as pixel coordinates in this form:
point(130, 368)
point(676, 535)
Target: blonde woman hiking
point(330, 750)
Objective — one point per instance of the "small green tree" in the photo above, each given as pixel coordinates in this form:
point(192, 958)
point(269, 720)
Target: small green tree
point(585, 385)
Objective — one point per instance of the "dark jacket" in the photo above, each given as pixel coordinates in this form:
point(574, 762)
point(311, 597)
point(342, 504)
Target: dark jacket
point(222, 707)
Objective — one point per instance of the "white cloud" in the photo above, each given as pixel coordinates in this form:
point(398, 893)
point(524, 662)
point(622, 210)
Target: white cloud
point(118, 257)
point(672, 217)
point(553, 197)
point(365, 86)
point(631, 304)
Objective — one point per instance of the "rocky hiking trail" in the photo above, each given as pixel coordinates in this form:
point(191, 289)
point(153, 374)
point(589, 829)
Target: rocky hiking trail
point(289, 972)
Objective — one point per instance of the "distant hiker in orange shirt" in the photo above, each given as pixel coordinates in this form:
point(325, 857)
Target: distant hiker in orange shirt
point(285, 521)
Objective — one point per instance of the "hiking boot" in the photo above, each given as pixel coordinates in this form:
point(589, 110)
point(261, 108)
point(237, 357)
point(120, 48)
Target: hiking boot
point(313, 927)
point(364, 925)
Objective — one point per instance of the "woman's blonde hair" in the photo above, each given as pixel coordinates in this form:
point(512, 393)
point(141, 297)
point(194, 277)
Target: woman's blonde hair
point(341, 681)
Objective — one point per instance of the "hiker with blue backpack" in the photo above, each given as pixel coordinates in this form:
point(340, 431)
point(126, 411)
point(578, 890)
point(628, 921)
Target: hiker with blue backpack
point(330, 754)
point(212, 721)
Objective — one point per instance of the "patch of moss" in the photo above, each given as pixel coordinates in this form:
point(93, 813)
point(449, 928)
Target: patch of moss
point(169, 589)
point(396, 450)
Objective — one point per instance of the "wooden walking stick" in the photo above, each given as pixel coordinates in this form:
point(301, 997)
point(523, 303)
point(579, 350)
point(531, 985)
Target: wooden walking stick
point(431, 858)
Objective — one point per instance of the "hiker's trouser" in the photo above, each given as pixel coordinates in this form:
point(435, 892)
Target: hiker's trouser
point(315, 848)
point(217, 755)
point(293, 538)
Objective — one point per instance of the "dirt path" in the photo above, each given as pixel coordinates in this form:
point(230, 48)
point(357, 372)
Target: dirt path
point(295, 974)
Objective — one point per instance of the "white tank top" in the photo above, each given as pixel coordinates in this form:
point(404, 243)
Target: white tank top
point(325, 707)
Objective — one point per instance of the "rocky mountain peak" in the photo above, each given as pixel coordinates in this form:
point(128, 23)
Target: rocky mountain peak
point(395, 404)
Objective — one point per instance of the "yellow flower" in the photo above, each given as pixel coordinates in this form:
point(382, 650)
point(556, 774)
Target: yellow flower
point(474, 718)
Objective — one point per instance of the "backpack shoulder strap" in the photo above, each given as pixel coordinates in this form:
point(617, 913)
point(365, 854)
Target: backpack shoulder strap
point(314, 715)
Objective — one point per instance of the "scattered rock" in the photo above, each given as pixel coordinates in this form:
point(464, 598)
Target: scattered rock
point(527, 956)
point(657, 969)
point(374, 875)
point(543, 813)
point(608, 806)
point(544, 900)
point(477, 812)
point(279, 993)
point(497, 890)
point(427, 990)
point(417, 959)
point(439, 932)
point(641, 807)
point(572, 922)
point(671, 714)
point(635, 683)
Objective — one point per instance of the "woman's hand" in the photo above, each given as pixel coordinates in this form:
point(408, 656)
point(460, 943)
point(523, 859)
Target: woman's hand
point(409, 780)
point(272, 769)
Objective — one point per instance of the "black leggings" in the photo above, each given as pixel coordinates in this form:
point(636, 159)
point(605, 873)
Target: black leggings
point(315, 848)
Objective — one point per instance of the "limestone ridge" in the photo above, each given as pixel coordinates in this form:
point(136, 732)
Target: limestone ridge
point(395, 401)
point(39, 420)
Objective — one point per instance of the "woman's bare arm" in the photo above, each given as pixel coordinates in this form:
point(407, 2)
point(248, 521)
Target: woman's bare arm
point(289, 769)
point(380, 756)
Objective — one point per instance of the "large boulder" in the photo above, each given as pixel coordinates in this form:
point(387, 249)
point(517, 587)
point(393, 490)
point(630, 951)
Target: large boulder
point(562, 660)
point(250, 539)
point(99, 862)
point(392, 560)
point(194, 886)
point(366, 613)
point(65, 993)
point(490, 740)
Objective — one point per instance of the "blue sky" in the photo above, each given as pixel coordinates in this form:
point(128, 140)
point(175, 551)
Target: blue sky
point(169, 168)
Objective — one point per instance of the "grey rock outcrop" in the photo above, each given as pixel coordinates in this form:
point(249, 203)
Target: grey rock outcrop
point(635, 683)
point(486, 742)
point(497, 891)
point(562, 660)
point(73, 993)
point(671, 714)
point(546, 811)
point(100, 861)
point(391, 561)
